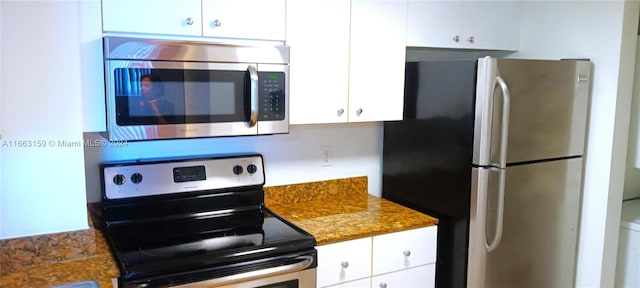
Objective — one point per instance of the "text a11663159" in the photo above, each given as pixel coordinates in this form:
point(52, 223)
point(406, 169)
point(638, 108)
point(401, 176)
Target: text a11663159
point(60, 143)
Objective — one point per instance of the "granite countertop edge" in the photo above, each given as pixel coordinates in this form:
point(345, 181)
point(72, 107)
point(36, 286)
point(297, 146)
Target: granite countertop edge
point(342, 219)
point(57, 259)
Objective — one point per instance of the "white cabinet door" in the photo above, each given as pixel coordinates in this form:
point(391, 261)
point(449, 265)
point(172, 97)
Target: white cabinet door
point(318, 37)
point(247, 19)
point(434, 23)
point(628, 261)
point(170, 17)
point(468, 24)
point(418, 277)
point(344, 261)
point(490, 25)
point(362, 283)
point(378, 48)
point(405, 249)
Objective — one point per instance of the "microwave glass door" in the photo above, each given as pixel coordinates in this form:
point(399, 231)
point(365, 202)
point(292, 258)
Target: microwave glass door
point(166, 99)
point(184, 95)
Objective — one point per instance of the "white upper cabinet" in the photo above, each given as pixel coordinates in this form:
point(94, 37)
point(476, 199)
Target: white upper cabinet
point(487, 25)
point(347, 60)
point(239, 19)
point(490, 25)
point(318, 34)
point(248, 19)
point(434, 23)
point(171, 17)
point(378, 51)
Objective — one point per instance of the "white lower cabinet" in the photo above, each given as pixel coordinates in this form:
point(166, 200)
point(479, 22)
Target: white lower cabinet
point(362, 283)
point(344, 261)
point(401, 250)
point(418, 277)
point(399, 259)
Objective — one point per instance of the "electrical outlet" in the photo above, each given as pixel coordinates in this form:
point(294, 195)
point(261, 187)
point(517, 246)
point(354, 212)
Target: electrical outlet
point(326, 155)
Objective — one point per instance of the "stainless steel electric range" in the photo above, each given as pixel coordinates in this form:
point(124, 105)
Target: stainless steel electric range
point(200, 222)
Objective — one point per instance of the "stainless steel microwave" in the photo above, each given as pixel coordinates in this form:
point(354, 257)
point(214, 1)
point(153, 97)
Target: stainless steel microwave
point(166, 89)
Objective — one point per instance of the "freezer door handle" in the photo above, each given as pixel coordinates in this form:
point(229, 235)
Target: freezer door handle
point(504, 129)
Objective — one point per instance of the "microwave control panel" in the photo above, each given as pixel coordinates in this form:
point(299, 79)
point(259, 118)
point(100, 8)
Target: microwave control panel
point(272, 96)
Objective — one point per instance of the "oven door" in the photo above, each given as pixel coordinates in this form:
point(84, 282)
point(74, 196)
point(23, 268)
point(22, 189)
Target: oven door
point(300, 279)
point(149, 100)
point(297, 275)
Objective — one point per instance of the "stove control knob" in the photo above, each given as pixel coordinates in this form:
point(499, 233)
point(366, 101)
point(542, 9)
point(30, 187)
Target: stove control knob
point(237, 169)
point(136, 178)
point(252, 168)
point(119, 179)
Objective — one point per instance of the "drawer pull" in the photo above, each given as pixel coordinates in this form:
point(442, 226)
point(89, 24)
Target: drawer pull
point(407, 253)
point(383, 285)
point(344, 264)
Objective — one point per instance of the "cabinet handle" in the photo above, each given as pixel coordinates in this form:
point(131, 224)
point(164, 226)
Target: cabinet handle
point(471, 39)
point(456, 38)
point(407, 253)
point(344, 264)
point(189, 21)
point(340, 112)
point(216, 23)
point(383, 285)
point(582, 78)
point(359, 111)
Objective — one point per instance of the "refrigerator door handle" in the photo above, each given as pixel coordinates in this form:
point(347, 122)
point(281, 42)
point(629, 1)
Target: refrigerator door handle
point(504, 136)
point(504, 133)
point(493, 244)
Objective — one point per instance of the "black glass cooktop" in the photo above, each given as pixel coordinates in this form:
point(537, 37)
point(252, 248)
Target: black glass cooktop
point(172, 246)
point(188, 220)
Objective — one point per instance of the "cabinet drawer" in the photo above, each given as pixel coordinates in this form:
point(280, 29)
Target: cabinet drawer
point(401, 250)
point(418, 277)
point(344, 261)
point(362, 283)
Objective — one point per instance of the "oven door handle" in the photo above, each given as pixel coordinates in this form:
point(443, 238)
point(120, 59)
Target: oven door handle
point(305, 262)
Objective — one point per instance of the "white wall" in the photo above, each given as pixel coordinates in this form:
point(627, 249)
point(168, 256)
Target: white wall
point(632, 177)
point(603, 31)
point(289, 158)
point(54, 91)
point(42, 189)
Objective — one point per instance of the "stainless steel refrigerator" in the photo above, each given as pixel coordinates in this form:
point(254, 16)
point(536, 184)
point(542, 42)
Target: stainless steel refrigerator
point(494, 149)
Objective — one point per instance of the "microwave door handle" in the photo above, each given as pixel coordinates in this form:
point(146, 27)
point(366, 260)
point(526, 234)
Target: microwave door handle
point(253, 95)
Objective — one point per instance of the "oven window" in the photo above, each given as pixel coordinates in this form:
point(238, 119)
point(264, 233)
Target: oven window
point(146, 96)
point(288, 284)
